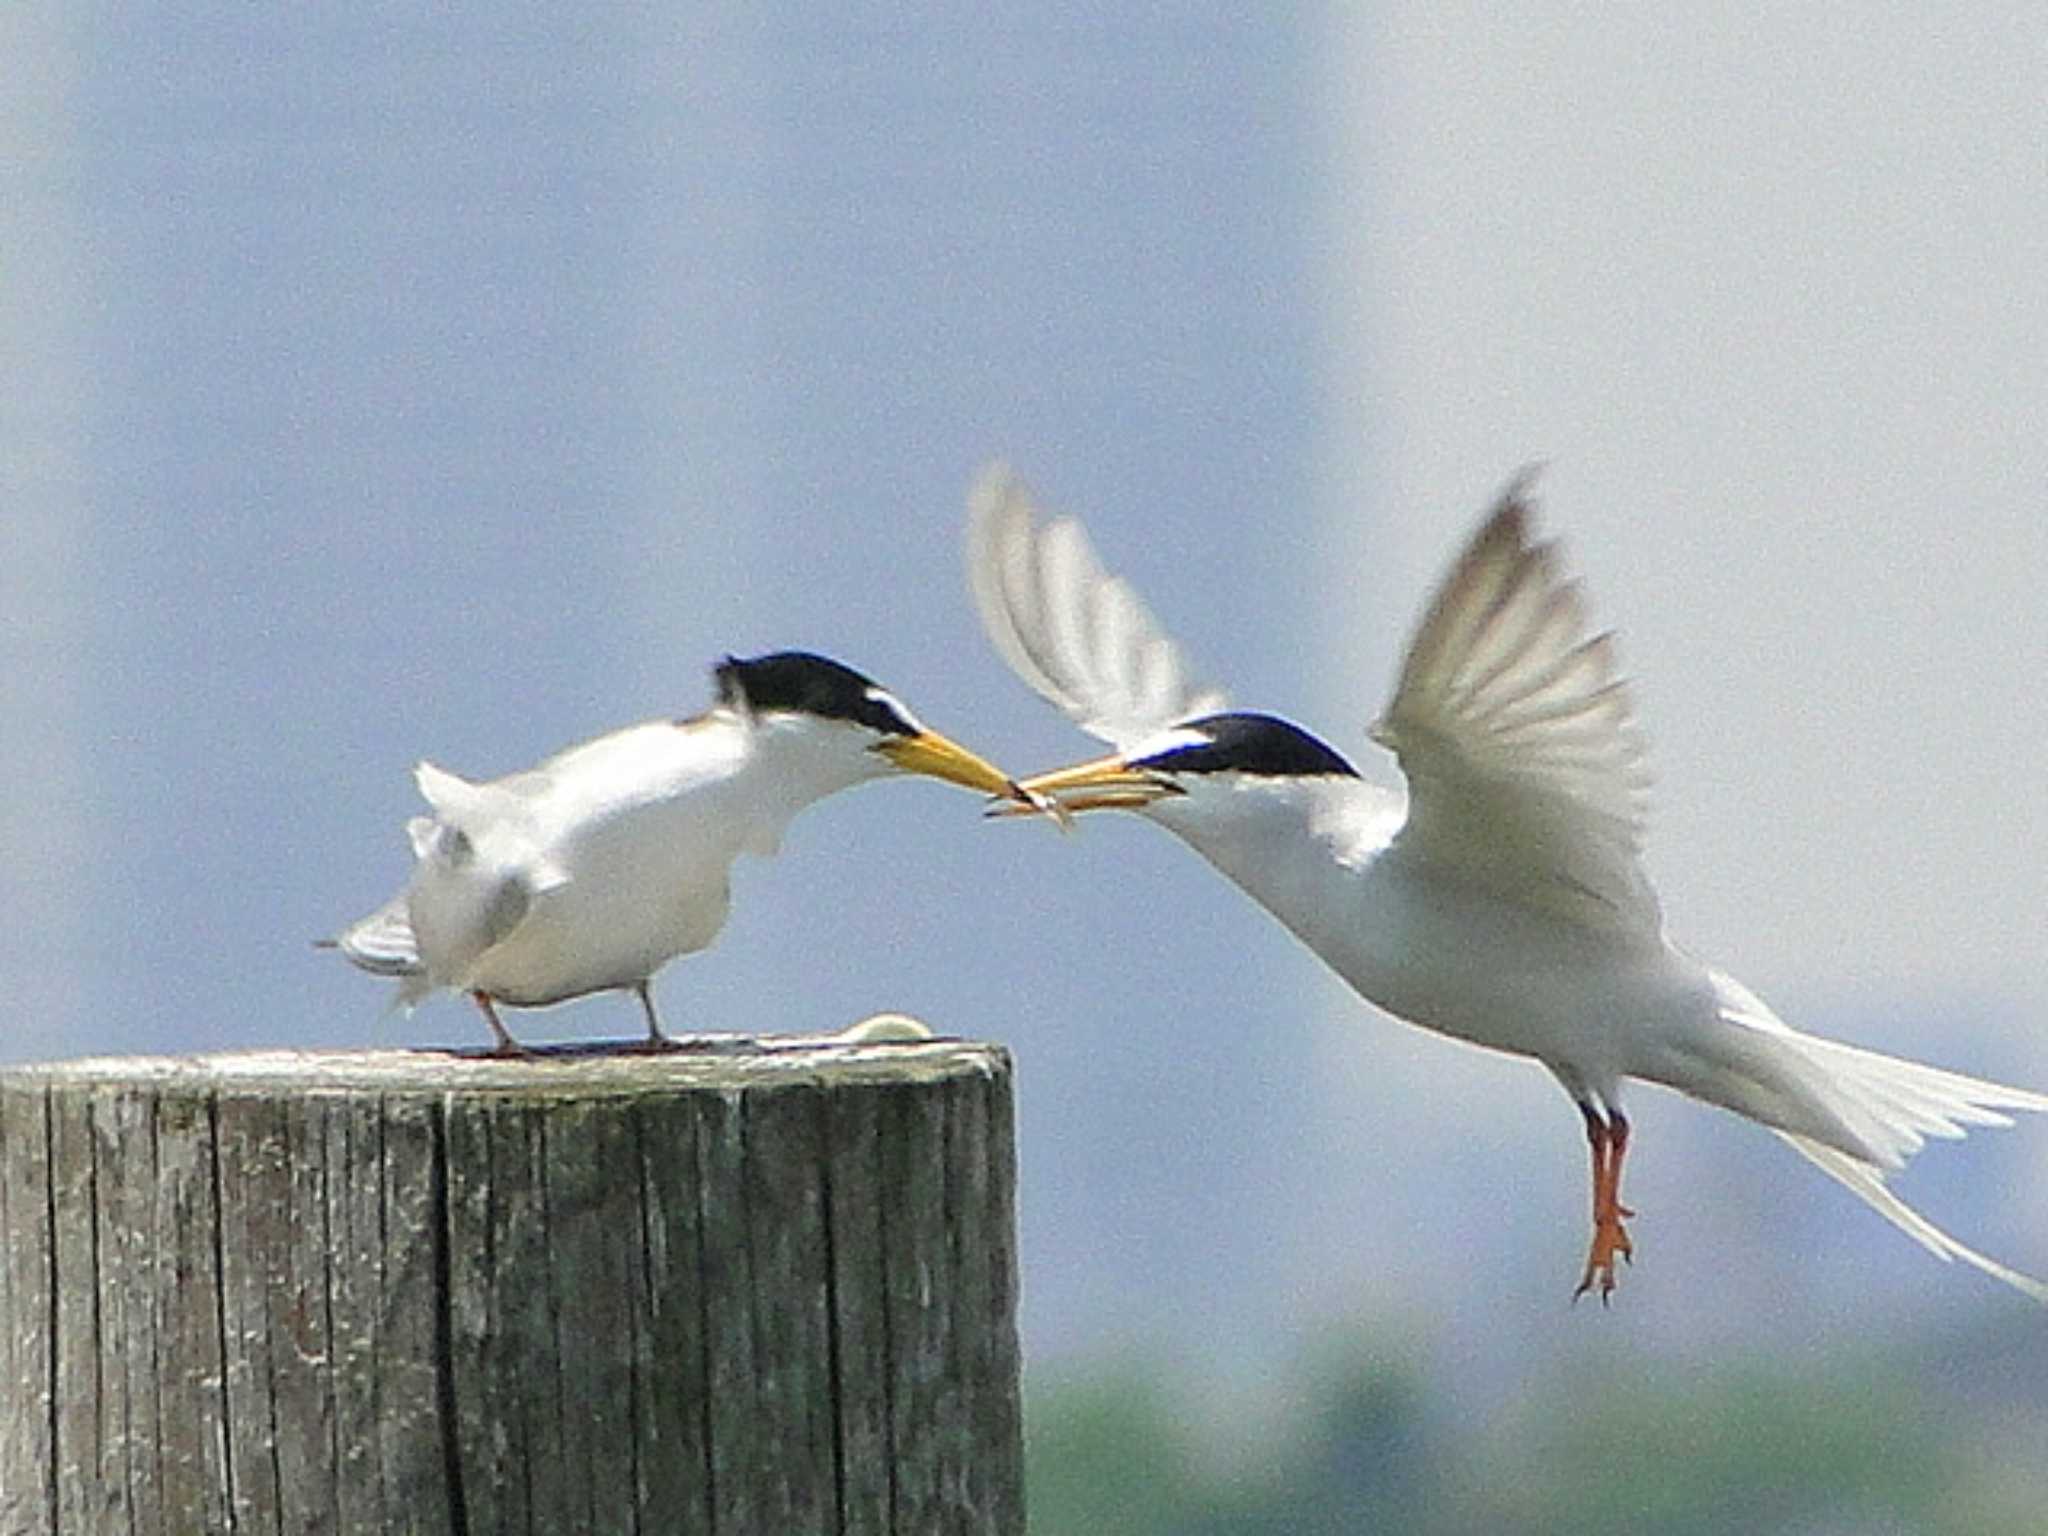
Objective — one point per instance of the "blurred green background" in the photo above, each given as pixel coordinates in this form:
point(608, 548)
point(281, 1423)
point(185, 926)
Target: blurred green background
point(1939, 1430)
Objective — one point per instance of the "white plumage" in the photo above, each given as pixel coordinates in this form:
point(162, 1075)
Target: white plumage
point(1501, 900)
point(1082, 638)
point(590, 871)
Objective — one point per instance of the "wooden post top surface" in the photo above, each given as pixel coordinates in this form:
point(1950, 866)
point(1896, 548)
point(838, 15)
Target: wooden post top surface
point(762, 1285)
point(698, 1063)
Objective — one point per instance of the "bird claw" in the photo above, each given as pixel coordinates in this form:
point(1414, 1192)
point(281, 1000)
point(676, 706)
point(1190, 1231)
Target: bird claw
point(1610, 1241)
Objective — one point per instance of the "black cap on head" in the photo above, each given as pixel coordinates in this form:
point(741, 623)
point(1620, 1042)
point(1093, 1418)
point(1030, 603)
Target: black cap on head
point(801, 682)
point(1248, 743)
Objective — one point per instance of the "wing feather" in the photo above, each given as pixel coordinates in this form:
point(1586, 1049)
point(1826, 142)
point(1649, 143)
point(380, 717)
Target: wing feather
point(1526, 771)
point(1081, 638)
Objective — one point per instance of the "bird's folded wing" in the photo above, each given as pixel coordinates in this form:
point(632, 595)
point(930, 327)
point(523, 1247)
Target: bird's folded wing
point(1082, 638)
point(1525, 770)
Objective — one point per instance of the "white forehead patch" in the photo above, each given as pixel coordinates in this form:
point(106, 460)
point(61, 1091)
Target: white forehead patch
point(882, 696)
point(1176, 739)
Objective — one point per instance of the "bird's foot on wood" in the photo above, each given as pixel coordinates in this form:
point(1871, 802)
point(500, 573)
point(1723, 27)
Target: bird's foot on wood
point(504, 1044)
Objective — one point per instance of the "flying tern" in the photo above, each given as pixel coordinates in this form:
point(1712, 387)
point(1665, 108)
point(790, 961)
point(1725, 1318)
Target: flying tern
point(592, 870)
point(1501, 900)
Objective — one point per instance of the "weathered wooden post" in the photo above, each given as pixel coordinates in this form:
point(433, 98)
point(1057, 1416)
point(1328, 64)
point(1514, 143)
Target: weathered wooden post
point(761, 1289)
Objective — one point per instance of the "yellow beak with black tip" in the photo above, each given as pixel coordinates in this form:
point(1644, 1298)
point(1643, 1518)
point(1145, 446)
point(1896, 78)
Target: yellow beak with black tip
point(929, 753)
point(1101, 784)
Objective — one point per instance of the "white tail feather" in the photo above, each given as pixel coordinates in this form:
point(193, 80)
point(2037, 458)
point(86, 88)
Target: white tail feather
point(383, 943)
point(1894, 1105)
point(1857, 1115)
point(1866, 1182)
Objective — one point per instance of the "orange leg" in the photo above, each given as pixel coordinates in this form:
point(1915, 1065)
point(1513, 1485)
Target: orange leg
point(506, 1045)
point(1608, 1136)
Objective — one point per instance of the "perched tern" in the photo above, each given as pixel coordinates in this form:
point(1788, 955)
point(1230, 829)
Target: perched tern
point(591, 871)
point(1501, 900)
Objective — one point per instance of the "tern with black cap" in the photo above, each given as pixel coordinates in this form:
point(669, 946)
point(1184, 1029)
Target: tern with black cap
point(1501, 900)
point(592, 870)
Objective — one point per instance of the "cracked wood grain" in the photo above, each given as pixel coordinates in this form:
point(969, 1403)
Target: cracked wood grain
point(757, 1290)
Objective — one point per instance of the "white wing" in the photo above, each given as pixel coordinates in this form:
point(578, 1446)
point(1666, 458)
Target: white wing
point(1082, 638)
point(1526, 773)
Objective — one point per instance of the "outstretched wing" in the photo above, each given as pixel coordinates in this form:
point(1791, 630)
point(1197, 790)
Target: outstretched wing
point(1526, 772)
point(1082, 638)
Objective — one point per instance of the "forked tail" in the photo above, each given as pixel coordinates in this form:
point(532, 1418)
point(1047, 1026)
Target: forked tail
point(382, 943)
point(1868, 1113)
point(1866, 1180)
